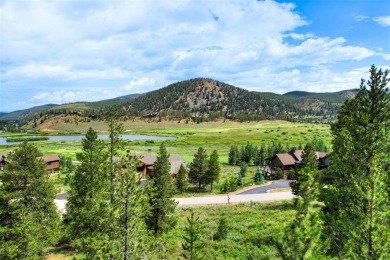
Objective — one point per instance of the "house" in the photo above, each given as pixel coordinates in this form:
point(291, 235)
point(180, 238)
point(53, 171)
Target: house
point(147, 161)
point(52, 162)
point(288, 161)
point(3, 162)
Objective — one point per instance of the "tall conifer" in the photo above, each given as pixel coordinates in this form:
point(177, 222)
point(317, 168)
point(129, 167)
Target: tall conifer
point(356, 185)
point(29, 220)
point(160, 190)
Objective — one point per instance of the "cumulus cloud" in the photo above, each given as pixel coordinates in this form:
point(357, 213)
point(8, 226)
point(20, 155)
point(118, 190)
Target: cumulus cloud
point(136, 46)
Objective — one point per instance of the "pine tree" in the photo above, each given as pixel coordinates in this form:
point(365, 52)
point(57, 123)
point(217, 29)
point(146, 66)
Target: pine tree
point(29, 220)
point(159, 191)
point(243, 169)
point(222, 229)
point(88, 211)
point(192, 245)
point(259, 176)
point(303, 239)
point(198, 168)
point(181, 180)
point(130, 207)
point(213, 168)
point(356, 185)
point(309, 161)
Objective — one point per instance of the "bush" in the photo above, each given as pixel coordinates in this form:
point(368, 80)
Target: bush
point(229, 185)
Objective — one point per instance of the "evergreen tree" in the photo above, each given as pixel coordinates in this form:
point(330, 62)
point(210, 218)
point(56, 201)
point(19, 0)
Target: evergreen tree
point(356, 189)
point(115, 128)
point(181, 180)
point(88, 210)
point(192, 244)
point(243, 169)
point(222, 229)
point(29, 220)
point(131, 229)
point(213, 168)
point(159, 191)
point(303, 240)
point(259, 176)
point(233, 155)
point(260, 157)
point(198, 168)
point(309, 161)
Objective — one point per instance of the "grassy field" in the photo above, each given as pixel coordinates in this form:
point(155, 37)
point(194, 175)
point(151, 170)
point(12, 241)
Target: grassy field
point(219, 135)
point(252, 231)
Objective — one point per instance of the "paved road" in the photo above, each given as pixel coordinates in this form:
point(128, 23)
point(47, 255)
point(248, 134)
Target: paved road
point(225, 199)
point(274, 185)
point(258, 194)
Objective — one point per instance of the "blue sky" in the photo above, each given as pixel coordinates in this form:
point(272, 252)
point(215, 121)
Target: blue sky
point(66, 51)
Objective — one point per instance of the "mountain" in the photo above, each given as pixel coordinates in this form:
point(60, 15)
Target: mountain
point(207, 96)
point(26, 114)
point(335, 97)
point(202, 98)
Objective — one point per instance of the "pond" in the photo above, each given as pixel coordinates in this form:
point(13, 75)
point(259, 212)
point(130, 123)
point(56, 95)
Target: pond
point(3, 140)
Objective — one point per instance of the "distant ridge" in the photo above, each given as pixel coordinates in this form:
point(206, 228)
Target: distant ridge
point(26, 114)
point(334, 97)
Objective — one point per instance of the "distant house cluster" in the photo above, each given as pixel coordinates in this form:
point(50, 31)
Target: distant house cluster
point(288, 161)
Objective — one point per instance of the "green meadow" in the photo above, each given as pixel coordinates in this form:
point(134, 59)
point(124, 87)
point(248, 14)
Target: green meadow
point(218, 135)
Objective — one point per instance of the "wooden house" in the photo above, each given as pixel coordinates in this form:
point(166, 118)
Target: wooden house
point(52, 162)
point(288, 161)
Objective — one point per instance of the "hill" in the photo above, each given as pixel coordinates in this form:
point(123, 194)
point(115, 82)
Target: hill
point(333, 97)
point(89, 107)
point(217, 99)
point(203, 99)
point(26, 114)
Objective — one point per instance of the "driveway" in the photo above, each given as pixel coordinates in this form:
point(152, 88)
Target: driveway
point(263, 189)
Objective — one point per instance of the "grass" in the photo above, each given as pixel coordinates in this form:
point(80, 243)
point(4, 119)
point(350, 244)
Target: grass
point(219, 135)
point(252, 231)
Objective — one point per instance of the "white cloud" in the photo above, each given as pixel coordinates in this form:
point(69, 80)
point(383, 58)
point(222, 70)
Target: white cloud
point(382, 20)
point(361, 18)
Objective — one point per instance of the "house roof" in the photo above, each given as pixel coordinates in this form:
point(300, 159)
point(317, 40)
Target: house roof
point(49, 158)
point(147, 158)
point(175, 160)
point(297, 154)
point(286, 158)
